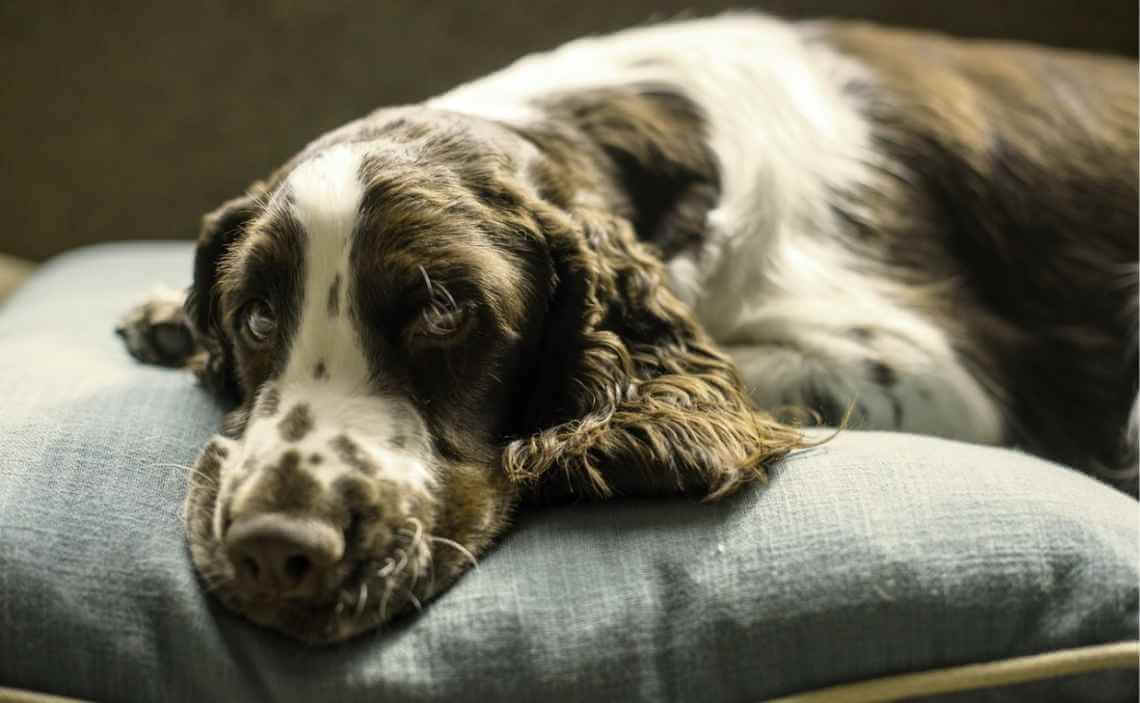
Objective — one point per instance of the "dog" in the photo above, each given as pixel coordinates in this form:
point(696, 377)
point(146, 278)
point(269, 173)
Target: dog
point(618, 268)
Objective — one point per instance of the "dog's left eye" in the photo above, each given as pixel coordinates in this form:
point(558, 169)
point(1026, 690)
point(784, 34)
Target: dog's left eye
point(259, 322)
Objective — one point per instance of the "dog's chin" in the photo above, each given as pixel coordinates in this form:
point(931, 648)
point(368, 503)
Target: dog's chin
point(321, 623)
point(363, 602)
point(312, 623)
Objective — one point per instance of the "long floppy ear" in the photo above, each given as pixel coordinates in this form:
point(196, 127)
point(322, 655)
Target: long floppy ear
point(632, 397)
point(654, 145)
point(221, 230)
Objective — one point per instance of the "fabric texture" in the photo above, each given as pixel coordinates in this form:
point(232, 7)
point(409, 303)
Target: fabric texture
point(872, 555)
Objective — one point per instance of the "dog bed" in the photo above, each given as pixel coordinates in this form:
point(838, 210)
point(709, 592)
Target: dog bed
point(877, 566)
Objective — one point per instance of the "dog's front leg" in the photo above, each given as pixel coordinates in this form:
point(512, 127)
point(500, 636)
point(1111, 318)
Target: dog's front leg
point(158, 332)
point(877, 379)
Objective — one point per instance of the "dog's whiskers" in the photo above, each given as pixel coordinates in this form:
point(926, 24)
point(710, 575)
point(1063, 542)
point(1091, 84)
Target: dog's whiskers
point(388, 568)
point(191, 471)
point(415, 601)
point(419, 547)
point(384, 599)
point(419, 530)
point(362, 597)
point(402, 563)
point(457, 547)
point(167, 465)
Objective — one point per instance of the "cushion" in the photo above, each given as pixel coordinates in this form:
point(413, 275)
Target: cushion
point(873, 555)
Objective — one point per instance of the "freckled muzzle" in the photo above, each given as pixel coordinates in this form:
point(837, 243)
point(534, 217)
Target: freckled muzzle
point(312, 530)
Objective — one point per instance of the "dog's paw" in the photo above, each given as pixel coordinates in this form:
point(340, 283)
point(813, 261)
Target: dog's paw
point(157, 331)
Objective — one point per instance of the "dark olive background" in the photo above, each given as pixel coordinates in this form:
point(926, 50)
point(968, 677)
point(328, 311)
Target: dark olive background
point(129, 120)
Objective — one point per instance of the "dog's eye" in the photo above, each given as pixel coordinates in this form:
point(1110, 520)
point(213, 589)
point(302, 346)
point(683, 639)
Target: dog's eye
point(260, 324)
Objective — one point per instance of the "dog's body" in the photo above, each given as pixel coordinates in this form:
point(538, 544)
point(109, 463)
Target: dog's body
point(937, 236)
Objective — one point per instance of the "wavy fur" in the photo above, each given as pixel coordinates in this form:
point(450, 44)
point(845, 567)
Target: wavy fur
point(639, 400)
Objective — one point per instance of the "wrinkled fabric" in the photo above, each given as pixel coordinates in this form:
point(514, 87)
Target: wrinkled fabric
point(874, 554)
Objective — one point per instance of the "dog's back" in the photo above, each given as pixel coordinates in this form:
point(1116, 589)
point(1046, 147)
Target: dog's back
point(975, 200)
point(1019, 183)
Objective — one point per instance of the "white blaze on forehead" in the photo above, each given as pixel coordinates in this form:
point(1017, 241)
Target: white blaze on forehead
point(327, 369)
point(327, 189)
point(326, 195)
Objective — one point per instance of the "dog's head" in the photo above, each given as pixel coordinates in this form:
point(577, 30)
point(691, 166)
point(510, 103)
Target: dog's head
point(425, 318)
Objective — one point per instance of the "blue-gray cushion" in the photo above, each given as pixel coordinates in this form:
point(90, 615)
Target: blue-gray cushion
point(874, 554)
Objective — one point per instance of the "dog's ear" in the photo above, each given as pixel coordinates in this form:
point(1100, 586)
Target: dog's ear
point(630, 395)
point(654, 145)
point(221, 230)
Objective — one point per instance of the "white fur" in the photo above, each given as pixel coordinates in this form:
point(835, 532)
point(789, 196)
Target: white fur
point(326, 196)
point(773, 275)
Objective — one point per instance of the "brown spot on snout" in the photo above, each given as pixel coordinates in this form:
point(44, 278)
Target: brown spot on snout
point(350, 454)
point(355, 491)
point(296, 424)
point(320, 371)
point(286, 487)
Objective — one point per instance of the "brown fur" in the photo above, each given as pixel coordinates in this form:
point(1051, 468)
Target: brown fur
point(1010, 186)
point(297, 423)
point(628, 395)
point(634, 397)
point(472, 229)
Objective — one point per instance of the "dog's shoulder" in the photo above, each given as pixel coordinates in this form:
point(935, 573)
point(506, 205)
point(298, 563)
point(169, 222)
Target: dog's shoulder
point(979, 95)
point(1010, 169)
point(1022, 156)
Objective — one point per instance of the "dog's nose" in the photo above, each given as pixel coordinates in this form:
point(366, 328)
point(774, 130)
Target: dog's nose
point(284, 555)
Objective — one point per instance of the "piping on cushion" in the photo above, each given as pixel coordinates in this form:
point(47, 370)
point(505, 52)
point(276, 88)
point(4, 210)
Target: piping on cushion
point(1037, 667)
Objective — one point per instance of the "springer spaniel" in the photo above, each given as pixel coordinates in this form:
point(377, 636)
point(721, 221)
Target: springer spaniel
point(606, 269)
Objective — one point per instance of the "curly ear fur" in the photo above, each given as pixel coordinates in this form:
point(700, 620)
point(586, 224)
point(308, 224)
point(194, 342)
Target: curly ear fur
point(632, 396)
point(221, 230)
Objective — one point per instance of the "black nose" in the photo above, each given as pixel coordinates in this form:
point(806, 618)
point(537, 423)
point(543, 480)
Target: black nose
point(283, 555)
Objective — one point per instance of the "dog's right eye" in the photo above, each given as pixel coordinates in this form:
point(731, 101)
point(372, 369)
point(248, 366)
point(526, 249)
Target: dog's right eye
point(259, 322)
